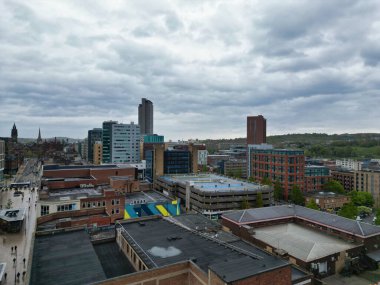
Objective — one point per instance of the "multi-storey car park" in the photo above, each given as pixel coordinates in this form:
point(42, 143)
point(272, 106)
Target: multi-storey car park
point(212, 194)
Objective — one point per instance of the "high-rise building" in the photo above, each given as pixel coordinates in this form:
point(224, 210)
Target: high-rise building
point(256, 130)
point(107, 140)
point(94, 135)
point(125, 143)
point(98, 153)
point(2, 160)
point(146, 117)
point(14, 133)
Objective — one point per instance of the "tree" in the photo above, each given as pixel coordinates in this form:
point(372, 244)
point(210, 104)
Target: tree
point(348, 211)
point(245, 203)
point(278, 191)
point(251, 179)
point(296, 196)
point(362, 198)
point(364, 210)
point(312, 204)
point(377, 220)
point(259, 200)
point(266, 181)
point(334, 186)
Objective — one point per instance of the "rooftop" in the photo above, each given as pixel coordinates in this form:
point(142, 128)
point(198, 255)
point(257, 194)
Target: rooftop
point(70, 258)
point(160, 242)
point(12, 215)
point(74, 194)
point(322, 194)
point(349, 226)
point(67, 258)
point(301, 242)
point(213, 183)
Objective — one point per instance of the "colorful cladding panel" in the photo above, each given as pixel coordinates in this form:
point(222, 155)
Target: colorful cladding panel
point(171, 208)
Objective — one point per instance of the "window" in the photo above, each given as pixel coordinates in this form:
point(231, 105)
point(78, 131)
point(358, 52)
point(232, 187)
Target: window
point(117, 211)
point(113, 202)
point(66, 207)
point(104, 203)
point(44, 210)
point(117, 202)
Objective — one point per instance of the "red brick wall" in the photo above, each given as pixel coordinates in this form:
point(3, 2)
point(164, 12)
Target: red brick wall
point(67, 173)
point(281, 276)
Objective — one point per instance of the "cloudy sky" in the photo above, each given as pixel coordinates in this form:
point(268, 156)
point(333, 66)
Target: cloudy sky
point(307, 66)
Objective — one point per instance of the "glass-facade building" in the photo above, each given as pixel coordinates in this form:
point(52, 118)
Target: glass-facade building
point(177, 162)
point(107, 141)
point(94, 135)
point(153, 139)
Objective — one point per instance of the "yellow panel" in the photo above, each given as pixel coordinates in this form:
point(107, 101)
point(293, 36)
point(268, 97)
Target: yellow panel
point(162, 210)
point(126, 215)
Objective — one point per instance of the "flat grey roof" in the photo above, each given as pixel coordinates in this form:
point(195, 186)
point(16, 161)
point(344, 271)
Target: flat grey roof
point(73, 194)
point(160, 242)
point(213, 183)
point(252, 216)
point(12, 215)
point(65, 258)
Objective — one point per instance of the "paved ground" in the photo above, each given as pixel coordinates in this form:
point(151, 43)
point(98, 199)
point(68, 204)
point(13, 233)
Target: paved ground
point(340, 280)
point(23, 239)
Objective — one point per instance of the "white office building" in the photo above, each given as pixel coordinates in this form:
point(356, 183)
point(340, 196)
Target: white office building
point(349, 164)
point(125, 143)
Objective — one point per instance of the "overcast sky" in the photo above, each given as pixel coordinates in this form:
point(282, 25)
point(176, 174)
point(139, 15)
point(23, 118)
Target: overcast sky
point(307, 66)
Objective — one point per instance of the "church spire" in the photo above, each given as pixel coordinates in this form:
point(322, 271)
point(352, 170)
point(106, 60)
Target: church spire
point(39, 139)
point(14, 133)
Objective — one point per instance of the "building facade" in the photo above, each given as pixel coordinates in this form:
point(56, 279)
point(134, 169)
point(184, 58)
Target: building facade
point(345, 177)
point(327, 200)
point(125, 143)
point(98, 153)
point(349, 164)
point(94, 135)
point(256, 130)
point(283, 165)
point(2, 160)
point(107, 141)
point(368, 181)
point(235, 167)
point(146, 117)
point(316, 177)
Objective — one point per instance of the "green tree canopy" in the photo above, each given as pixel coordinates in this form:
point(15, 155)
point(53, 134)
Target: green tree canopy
point(364, 210)
point(266, 181)
point(348, 210)
point(278, 191)
point(296, 196)
point(377, 220)
point(259, 200)
point(245, 203)
point(312, 204)
point(333, 186)
point(359, 198)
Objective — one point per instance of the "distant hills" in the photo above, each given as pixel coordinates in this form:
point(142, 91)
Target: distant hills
point(357, 146)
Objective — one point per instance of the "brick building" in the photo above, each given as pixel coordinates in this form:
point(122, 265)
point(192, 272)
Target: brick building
point(316, 177)
point(345, 177)
point(317, 241)
point(283, 165)
point(327, 200)
point(256, 130)
point(156, 243)
point(61, 177)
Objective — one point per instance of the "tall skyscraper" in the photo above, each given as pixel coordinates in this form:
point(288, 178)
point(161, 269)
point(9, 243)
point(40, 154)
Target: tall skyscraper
point(14, 133)
point(2, 160)
point(107, 140)
point(256, 130)
point(94, 135)
point(125, 143)
point(146, 117)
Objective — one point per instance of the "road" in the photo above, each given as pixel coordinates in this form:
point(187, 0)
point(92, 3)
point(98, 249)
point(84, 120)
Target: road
point(23, 240)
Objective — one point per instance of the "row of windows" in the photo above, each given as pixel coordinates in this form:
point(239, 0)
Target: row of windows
point(66, 207)
point(99, 203)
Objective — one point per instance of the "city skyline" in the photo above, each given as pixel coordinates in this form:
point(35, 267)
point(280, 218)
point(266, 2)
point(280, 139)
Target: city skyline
point(206, 66)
